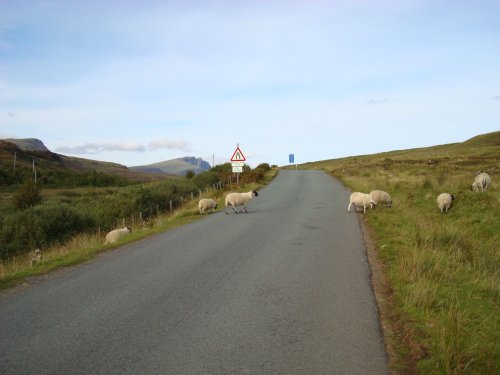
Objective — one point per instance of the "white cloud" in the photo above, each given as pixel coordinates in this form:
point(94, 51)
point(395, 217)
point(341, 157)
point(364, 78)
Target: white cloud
point(180, 145)
point(95, 148)
point(378, 101)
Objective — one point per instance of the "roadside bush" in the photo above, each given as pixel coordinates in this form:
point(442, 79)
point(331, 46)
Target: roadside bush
point(40, 226)
point(28, 195)
point(264, 166)
point(205, 179)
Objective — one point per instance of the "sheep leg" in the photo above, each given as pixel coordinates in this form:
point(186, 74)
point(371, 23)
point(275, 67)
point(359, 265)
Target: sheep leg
point(349, 207)
point(245, 208)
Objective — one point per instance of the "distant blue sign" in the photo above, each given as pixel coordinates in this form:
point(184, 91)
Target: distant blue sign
point(291, 158)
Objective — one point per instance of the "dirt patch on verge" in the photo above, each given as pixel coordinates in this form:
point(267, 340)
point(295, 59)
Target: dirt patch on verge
point(402, 351)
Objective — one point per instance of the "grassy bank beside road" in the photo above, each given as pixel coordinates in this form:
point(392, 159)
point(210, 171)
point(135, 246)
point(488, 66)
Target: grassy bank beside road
point(442, 301)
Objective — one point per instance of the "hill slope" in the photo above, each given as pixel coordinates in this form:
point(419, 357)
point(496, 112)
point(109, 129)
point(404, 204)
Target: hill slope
point(28, 144)
point(178, 166)
point(25, 152)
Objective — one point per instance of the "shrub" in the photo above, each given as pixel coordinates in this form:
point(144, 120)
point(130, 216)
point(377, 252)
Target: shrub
point(40, 226)
point(27, 195)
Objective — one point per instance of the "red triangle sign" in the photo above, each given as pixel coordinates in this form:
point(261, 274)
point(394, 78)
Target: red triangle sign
point(238, 155)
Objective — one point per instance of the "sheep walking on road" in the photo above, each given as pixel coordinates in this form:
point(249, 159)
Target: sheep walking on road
point(116, 234)
point(359, 199)
point(239, 199)
point(444, 202)
point(206, 205)
point(482, 180)
point(380, 196)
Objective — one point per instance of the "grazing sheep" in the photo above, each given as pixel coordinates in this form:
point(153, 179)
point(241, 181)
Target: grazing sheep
point(116, 234)
point(207, 205)
point(36, 257)
point(380, 196)
point(239, 199)
point(359, 199)
point(444, 202)
point(482, 180)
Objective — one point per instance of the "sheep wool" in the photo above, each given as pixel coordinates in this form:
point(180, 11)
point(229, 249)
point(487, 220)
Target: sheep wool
point(207, 205)
point(482, 180)
point(36, 257)
point(116, 234)
point(380, 196)
point(239, 199)
point(359, 199)
point(444, 202)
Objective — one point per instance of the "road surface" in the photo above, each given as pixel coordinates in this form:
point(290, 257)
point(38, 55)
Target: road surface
point(284, 289)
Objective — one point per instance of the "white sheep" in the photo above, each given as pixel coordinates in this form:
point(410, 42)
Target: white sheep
point(380, 196)
point(444, 202)
point(207, 205)
point(239, 199)
point(359, 199)
point(36, 257)
point(116, 234)
point(482, 180)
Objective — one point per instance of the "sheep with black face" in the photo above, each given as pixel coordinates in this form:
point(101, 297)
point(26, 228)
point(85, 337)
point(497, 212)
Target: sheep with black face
point(239, 199)
point(444, 202)
point(359, 199)
point(207, 205)
point(482, 180)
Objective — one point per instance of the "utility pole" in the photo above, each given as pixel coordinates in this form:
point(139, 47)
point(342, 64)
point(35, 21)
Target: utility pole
point(34, 170)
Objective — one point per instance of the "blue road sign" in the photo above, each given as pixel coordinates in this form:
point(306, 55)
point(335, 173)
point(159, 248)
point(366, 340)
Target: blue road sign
point(291, 158)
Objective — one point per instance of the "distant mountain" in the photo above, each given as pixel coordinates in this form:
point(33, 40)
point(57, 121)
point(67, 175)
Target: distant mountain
point(28, 144)
point(178, 166)
point(27, 151)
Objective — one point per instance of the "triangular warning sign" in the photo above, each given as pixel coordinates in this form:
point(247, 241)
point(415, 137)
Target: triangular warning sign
point(238, 155)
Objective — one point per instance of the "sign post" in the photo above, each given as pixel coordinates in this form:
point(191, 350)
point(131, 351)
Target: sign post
point(291, 160)
point(237, 162)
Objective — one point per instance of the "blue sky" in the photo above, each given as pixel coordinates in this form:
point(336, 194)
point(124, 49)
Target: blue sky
point(138, 82)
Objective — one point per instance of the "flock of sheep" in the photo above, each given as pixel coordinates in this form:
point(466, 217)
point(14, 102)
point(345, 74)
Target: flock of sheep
point(204, 205)
point(234, 200)
point(482, 180)
point(359, 200)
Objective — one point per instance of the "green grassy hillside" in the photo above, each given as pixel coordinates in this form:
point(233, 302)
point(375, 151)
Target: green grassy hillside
point(441, 300)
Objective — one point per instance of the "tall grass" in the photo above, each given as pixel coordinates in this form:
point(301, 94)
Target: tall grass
point(443, 269)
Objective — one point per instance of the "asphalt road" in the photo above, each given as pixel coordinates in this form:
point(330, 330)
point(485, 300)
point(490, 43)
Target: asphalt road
point(283, 289)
